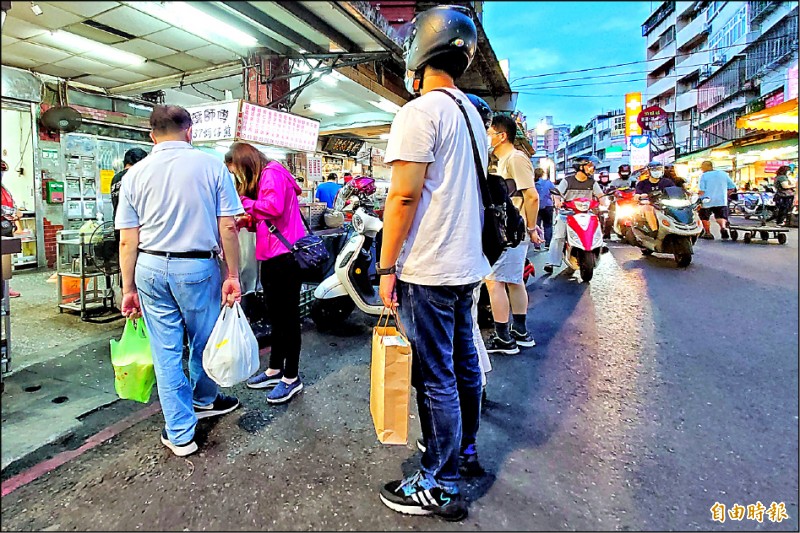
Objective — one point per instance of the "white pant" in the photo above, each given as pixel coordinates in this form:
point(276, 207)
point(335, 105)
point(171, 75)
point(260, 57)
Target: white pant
point(483, 355)
point(557, 242)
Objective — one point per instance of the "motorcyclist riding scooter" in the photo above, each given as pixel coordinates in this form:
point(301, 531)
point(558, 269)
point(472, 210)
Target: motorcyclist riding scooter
point(581, 185)
point(655, 182)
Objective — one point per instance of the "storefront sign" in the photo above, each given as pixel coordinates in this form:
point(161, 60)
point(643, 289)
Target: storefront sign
point(614, 152)
point(771, 166)
point(790, 87)
point(268, 126)
point(633, 106)
point(342, 145)
point(774, 100)
point(652, 118)
point(640, 151)
point(214, 122)
point(314, 169)
point(112, 117)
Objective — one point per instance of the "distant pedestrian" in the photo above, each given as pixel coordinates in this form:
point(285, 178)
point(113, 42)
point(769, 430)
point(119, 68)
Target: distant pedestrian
point(432, 258)
point(716, 185)
point(10, 216)
point(132, 156)
point(784, 197)
point(326, 192)
point(545, 219)
point(270, 197)
point(176, 207)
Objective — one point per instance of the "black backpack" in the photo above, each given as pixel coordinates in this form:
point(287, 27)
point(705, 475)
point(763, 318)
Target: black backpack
point(503, 226)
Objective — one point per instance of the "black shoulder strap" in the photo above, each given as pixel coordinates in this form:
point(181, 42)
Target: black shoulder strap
point(482, 183)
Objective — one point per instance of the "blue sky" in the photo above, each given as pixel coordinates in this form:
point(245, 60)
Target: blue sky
point(549, 37)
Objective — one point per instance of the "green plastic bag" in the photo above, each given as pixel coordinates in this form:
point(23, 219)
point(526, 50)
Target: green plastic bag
point(134, 375)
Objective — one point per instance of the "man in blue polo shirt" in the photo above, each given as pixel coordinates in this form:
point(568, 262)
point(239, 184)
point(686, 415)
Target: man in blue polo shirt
point(169, 245)
point(326, 192)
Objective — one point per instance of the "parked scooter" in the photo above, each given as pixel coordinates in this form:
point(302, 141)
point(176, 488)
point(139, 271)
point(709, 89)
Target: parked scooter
point(584, 242)
point(351, 285)
point(678, 225)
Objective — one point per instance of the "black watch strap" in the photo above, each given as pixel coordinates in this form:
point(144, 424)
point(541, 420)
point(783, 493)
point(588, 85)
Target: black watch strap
point(385, 271)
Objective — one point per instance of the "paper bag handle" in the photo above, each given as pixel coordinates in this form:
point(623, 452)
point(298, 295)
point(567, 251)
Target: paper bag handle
point(389, 313)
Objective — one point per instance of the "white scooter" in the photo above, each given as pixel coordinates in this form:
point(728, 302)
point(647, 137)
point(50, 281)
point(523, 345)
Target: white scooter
point(678, 225)
point(350, 284)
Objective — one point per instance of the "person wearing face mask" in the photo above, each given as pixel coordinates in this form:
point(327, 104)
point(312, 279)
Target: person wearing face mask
point(656, 181)
point(571, 187)
point(604, 180)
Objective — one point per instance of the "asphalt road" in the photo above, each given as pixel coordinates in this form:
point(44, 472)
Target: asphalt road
point(653, 393)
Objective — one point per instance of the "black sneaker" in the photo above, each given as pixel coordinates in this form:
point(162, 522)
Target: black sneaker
point(523, 339)
point(221, 406)
point(468, 464)
point(548, 268)
point(422, 496)
point(498, 345)
point(707, 236)
point(180, 450)
point(724, 233)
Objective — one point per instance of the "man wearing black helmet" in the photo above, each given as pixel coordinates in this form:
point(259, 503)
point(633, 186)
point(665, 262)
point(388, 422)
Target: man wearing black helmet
point(571, 187)
point(624, 179)
point(432, 257)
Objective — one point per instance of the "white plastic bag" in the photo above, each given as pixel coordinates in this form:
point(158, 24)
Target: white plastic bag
point(231, 355)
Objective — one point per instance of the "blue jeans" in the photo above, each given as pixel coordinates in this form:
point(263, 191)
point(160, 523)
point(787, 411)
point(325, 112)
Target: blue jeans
point(444, 370)
point(177, 296)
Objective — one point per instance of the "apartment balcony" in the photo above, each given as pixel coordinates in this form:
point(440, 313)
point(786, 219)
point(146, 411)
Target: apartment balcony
point(660, 87)
point(682, 133)
point(684, 7)
point(760, 9)
point(724, 84)
point(691, 63)
point(664, 56)
point(771, 48)
point(693, 34)
point(686, 101)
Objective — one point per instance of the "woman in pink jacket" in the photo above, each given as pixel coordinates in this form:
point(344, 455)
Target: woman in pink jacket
point(270, 198)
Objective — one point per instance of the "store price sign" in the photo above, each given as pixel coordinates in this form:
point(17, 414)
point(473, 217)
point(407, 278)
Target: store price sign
point(268, 126)
point(314, 168)
point(214, 122)
point(652, 118)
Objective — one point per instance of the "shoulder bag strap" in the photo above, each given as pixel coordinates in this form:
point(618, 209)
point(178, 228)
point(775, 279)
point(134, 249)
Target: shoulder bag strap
point(482, 183)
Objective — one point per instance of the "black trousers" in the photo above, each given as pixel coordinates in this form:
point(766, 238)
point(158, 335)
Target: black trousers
point(546, 220)
point(783, 206)
point(280, 278)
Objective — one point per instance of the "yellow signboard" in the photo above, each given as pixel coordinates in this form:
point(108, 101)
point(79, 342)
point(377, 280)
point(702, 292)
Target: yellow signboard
point(105, 181)
point(633, 106)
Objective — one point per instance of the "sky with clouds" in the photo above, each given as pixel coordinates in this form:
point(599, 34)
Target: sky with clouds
point(550, 37)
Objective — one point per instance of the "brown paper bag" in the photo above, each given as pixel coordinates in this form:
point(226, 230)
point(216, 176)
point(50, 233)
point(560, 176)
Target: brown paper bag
point(390, 386)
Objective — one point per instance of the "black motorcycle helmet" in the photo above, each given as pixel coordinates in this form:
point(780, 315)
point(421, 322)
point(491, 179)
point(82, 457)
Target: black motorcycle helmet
point(624, 171)
point(438, 31)
point(483, 108)
point(582, 160)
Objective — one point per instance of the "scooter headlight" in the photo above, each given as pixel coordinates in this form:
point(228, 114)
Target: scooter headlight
point(582, 205)
point(676, 202)
point(625, 211)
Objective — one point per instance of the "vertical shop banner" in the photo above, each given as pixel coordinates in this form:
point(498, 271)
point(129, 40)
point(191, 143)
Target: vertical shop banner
point(790, 87)
point(214, 122)
point(268, 126)
point(640, 151)
point(633, 106)
point(314, 168)
point(105, 181)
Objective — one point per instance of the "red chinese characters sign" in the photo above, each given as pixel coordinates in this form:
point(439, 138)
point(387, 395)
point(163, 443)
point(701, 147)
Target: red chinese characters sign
point(267, 126)
point(652, 118)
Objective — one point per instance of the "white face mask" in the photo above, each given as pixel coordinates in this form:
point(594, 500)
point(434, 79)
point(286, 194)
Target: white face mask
point(489, 143)
point(657, 174)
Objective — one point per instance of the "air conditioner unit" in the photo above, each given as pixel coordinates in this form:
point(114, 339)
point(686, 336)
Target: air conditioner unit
point(718, 60)
point(705, 72)
point(706, 28)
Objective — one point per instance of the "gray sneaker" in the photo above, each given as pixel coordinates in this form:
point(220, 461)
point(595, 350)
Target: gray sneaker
point(523, 339)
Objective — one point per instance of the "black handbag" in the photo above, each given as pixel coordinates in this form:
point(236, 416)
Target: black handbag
point(309, 251)
point(6, 228)
point(503, 226)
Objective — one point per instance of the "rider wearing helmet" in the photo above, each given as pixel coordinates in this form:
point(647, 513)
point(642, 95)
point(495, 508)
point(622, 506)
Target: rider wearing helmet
point(655, 182)
point(483, 108)
point(577, 186)
point(604, 180)
point(624, 179)
point(432, 259)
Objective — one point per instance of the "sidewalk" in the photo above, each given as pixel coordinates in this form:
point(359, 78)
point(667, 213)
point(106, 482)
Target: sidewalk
point(61, 385)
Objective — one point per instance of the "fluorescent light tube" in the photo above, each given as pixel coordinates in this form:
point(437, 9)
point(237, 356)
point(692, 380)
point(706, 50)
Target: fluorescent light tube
point(188, 18)
point(103, 52)
point(385, 105)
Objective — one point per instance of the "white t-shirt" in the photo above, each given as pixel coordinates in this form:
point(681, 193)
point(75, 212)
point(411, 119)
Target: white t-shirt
point(444, 245)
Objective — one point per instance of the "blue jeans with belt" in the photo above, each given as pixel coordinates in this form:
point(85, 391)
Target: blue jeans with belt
point(444, 370)
point(177, 296)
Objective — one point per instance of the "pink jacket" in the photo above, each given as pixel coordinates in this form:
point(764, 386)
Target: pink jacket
point(277, 203)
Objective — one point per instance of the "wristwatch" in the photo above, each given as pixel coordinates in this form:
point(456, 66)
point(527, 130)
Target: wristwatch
point(531, 230)
point(386, 271)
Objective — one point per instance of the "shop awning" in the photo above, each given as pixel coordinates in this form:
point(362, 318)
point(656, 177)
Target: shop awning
point(782, 117)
